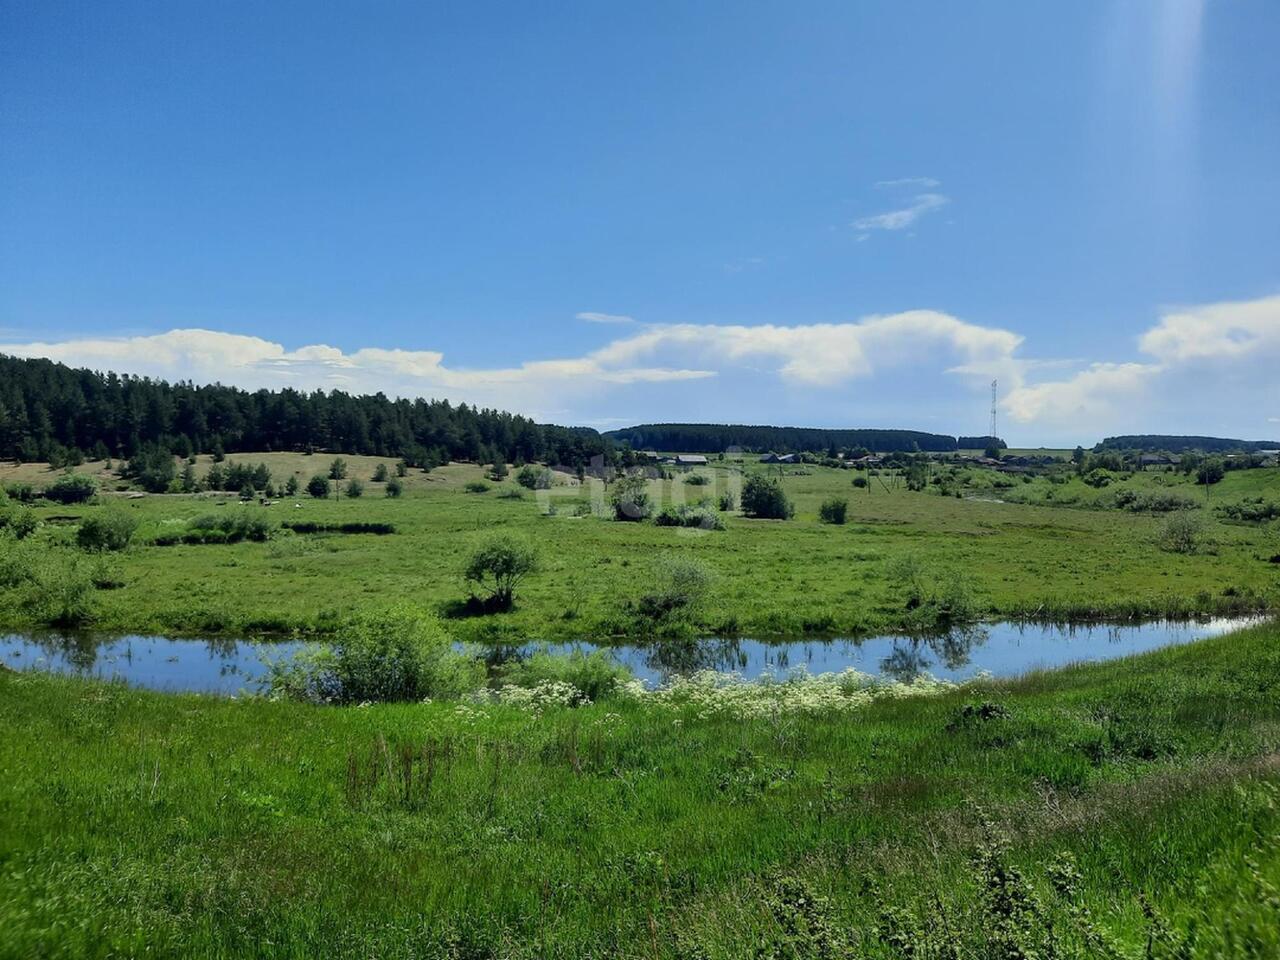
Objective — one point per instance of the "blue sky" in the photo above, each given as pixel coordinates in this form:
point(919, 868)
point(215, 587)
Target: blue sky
point(832, 214)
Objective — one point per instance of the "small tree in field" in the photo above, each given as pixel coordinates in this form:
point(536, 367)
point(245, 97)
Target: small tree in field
point(764, 499)
point(630, 499)
point(380, 473)
point(354, 488)
point(498, 472)
point(318, 486)
point(394, 487)
point(497, 567)
point(291, 486)
point(338, 469)
point(833, 510)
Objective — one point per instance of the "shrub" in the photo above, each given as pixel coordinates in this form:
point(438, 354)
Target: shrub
point(592, 675)
point(680, 586)
point(1210, 471)
point(1098, 478)
point(291, 486)
point(697, 479)
point(534, 478)
point(60, 590)
point(477, 486)
point(1181, 533)
point(860, 482)
point(22, 492)
point(833, 510)
point(72, 488)
point(1251, 510)
point(394, 487)
point(354, 488)
point(338, 469)
point(1155, 501)
point(18, 520)
point(110, 529)
point(702, 517)
point(764, 498)
point(498, 472)
point(630, 498)
point(226, 528)
point(397, 655)
point(497, 567)
point(725, 502)
point(380, 473)
point(318, 486)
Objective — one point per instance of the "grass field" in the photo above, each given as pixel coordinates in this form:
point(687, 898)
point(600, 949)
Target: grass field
point(1126, 809)
point(1046, 557)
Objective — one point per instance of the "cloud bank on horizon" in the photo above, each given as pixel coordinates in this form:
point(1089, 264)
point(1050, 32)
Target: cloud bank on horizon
point(1198, 369)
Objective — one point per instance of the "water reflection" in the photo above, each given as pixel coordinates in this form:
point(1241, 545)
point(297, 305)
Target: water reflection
point(229, 666)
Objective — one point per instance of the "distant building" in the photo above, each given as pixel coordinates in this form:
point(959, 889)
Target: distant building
point(1158, 460)
point(691, 460)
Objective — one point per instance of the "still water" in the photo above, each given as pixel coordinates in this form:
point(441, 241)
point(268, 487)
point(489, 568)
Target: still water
point(1003, 649)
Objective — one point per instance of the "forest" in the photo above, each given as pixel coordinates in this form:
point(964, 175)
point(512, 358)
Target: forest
point(714, 437)
point(51, 412)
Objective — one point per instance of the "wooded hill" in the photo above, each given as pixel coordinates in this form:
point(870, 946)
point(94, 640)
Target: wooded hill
point(49, 411)
point(715, 437)
point(1175, 444)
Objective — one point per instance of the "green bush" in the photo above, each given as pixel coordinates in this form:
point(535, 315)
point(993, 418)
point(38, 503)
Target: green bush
point(109, 529)
point(833, 510)
point(630, 498)
point(534, 478)
point(763, 498)
point(701, 517)
point(725, 502)
point(72, 488)
point(380, 473)
point(594, 675)
point(477, 486)
point(697, 479)
point(318, 486)
point(394, 487)
point(17, 520)
point(680, 586)
point(497, 567)
point(1181, 533)
point(402, 654)
point(354, 489)
point(860, 482)
point(211, 528)
point(338, 469)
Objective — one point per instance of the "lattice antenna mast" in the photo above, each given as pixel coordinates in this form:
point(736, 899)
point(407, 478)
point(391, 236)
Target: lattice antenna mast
point(993, 411)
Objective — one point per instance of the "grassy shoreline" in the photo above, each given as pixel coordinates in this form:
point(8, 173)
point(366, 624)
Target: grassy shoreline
point(204, 827)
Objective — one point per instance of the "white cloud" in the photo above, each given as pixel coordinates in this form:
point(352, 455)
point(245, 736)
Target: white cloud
point(1206, 364)
point(823, 354)
point(1199, 369)
point(1217, 330)
point(592, 317)
point(903, 217)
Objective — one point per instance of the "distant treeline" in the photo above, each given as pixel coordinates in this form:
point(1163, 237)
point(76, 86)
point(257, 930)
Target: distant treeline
point(49, 411)
point(716, 437)
point(1172, 444)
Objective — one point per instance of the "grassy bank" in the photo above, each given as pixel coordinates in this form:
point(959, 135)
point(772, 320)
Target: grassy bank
point(769, 577)
point(1100, 810)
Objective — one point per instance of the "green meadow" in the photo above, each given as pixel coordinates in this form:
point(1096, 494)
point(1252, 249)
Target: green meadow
point(1126, 809)
point(1039, 548)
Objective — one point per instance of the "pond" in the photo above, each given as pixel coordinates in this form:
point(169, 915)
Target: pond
point(1003, 649)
